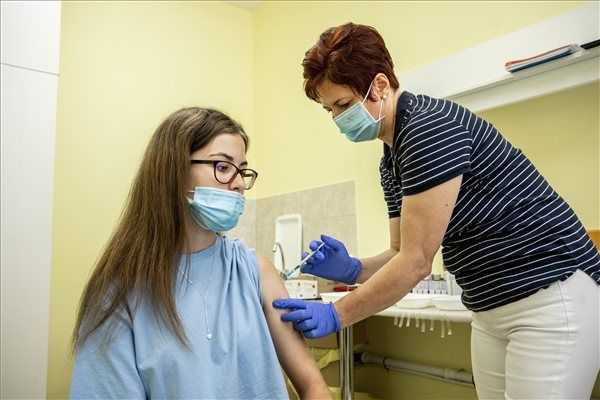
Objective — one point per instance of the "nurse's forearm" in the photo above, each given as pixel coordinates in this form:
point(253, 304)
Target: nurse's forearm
point(392, 282)
point(373, 264)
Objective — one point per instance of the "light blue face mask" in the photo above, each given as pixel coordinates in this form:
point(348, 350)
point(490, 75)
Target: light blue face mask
point(215, 209)
point(357, 123)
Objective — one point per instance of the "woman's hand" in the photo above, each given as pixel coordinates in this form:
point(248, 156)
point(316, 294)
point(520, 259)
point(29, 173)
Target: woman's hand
point(332, 261)
point(312, 319)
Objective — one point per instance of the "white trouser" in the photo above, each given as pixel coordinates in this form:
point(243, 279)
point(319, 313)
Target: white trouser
point(545, 346)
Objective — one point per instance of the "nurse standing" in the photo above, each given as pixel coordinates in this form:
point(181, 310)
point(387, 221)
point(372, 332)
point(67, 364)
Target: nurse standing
point(527, 268)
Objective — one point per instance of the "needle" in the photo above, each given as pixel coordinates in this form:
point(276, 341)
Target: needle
point(287, 275)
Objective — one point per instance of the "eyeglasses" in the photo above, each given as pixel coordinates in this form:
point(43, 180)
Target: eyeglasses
point(225, 172)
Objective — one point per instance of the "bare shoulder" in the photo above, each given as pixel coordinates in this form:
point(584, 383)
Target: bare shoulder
point(272, 286)
point(266, 266)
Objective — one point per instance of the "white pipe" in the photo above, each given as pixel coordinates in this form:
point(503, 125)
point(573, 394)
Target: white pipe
point(445, 374)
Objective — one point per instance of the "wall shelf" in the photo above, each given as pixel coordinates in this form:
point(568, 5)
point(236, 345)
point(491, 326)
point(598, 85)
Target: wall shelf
point(476, 78)
point(568, 72)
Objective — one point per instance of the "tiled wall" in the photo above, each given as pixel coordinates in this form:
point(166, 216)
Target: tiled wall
point(328, 209)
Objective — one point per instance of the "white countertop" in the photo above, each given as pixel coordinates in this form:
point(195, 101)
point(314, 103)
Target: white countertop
point(421, 306)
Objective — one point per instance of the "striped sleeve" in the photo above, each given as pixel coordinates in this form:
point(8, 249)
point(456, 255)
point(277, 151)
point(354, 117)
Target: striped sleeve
point(433, 151)
point(391, 194)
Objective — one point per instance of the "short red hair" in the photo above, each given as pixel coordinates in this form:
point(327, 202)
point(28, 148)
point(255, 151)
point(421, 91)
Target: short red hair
point(348, 54)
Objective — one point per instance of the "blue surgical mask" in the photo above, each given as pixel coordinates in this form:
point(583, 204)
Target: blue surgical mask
point(357, 123)
point(215, 209)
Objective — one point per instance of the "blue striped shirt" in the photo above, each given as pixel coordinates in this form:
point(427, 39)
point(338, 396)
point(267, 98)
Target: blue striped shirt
point(510, 233)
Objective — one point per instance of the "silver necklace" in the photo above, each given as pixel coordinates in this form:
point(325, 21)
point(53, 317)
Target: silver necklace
point(203, 293)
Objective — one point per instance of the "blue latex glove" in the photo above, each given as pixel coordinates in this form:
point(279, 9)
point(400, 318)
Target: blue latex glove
point(332, 261)
point(312, 319)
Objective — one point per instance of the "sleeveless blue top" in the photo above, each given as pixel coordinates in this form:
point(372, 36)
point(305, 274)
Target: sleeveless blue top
point(232, 355)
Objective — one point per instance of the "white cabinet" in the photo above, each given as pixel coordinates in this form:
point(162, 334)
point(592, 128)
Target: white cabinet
point(29, 83)
point(31, 34)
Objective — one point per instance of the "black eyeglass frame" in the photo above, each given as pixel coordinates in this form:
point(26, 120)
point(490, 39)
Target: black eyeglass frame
point(239, 171)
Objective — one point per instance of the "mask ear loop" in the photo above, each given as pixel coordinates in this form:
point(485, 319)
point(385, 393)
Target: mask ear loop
point(368, 92)
point(379, 117)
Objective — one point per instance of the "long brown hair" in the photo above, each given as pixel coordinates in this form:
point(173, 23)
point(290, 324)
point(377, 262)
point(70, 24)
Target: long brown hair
point(143, 253)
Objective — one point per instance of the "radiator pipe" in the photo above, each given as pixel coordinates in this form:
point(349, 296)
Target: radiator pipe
point(460, 377)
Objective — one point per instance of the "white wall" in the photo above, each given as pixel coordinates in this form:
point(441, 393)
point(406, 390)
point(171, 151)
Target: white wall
point(29, 80)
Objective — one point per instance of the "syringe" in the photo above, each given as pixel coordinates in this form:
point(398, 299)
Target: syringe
point(288, 274)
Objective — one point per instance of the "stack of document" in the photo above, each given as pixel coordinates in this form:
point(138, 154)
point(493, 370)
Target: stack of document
point(517, 65)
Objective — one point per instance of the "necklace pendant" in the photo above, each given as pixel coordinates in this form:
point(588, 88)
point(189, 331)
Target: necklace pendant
point(209, 336)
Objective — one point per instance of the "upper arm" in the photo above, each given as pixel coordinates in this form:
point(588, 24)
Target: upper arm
point(433, 156)
point(291, 349)
point(391, 190)
point(425, 218)
point(395, 233)
point(107, 369)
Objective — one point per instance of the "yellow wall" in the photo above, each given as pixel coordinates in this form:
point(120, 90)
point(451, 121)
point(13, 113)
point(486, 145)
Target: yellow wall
point(124, 67)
